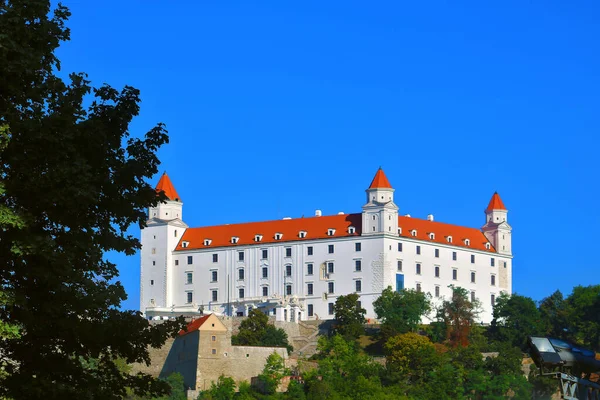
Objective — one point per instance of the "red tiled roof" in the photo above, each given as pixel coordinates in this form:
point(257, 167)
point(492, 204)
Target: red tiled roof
point(495, 203)
point(164, 184)
point(380, 181)
point(194, 325)
point(441, 233)
point(317, 228)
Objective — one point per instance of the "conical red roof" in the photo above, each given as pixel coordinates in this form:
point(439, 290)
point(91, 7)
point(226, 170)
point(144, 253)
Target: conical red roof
point(164, 184)
point(380, 181)
point(495, 203)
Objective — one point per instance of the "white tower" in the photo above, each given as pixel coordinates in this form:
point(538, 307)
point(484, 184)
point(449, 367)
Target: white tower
point(380, 214)
point(159, 238)
point(496, 228)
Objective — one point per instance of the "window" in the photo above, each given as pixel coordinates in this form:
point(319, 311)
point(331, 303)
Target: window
point(487, 246)
point(153, 263)
point(265, 272)
point(467, 242)
point(399, 246)
point(215, 295)
point(418, 249)
point(357, 247)
point(358, 285)
point(190, 260)
point(449, 239)
point(214, 351)
point(418, 287)
point(309, 289)
point(330, 308)
point(235, 239)
point(358, 304)
point(207, 242)
point(472, 258)
point(418, 269)
point(288, 251)
point(215, 258)
point(432, 236)
point(437, 291)
point(330, 232)
point(437, 272)
point(492, 262)
point(258, 238)
point(472, 297)
point(240, 256)
point(241, 293)
point(302, 234)
point(176, 262)
point(330, 249)
point(309, 251)
point(351, 230)
point(265, 290)
point(493, 280)
point(241, 274)
point(213, 338)
point(330, 267)
point(504, 264)
point(493, 299)
point(454, 274)
point(413, 233)
point(214, 275)
point(288, 270)
point(437, 253)
point(151, 282)
point(278, 236)
point(310, 310)
point(309, 269)
point(472, 277)
point(288, 290)
point(265, 254)
point(154, 250)
point(453, 256)
point(357, 265)
point(399, 265)
point(330, 287)
point(189, 278)
point(190, 297)
point(175, 233)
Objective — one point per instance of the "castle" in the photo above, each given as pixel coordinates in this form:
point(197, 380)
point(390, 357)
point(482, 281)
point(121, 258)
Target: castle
point(296, 268)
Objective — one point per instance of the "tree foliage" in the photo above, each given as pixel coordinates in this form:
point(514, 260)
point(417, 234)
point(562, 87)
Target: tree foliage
point(401, 312)
point(457, 316)
point(257, 331)
point(349, 316)
point(515, 318)
point(223, 389)
point(73, 182)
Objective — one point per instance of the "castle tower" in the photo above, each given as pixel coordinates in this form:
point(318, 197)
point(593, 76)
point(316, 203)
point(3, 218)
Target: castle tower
point(496, 228)
point(380, 214)
point(159, 238)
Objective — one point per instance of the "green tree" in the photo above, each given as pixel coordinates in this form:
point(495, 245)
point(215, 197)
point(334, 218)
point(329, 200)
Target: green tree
point(272, 373)
point(457, 316)
point(553, 313)
point(257, 331)
point(73, 182)
point(583, 315)
point(349, 316)
point(515, 318)
point(401, 312)
point(223, 389)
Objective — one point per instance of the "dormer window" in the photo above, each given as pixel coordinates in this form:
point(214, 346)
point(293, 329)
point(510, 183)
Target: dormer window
point(399, 231)
point(413, 233)
point(207, 242)
point(351, 230)
point(487, 246)
point(432, 236)
point(278, 236)
point(235, 239)
point(330, 232)
point(467, 242)
point(257, 238)
point(449, 239)
point(184, 244)
point(302, 234)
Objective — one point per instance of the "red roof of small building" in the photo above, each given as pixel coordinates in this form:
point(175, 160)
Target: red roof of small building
point(495, 203)
point(318, 227)
point(194, 325)
point(380, 181)
point(165, 184)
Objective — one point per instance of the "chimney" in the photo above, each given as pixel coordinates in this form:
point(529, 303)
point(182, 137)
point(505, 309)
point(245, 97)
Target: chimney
point(318, 213)
point(341, 213)
point(430, 217)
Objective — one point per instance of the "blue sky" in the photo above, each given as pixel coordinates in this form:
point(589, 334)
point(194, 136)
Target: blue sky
point(290, 107)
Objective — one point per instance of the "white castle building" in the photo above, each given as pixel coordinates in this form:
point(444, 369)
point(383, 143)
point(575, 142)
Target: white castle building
point(296, 268)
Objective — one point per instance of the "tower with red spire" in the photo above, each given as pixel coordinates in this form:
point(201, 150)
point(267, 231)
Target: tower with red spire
point(380, 214)
point(173, 207)
point(496, 228)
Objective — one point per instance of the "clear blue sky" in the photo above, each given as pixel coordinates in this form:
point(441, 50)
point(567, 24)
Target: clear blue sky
point(292, 107)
